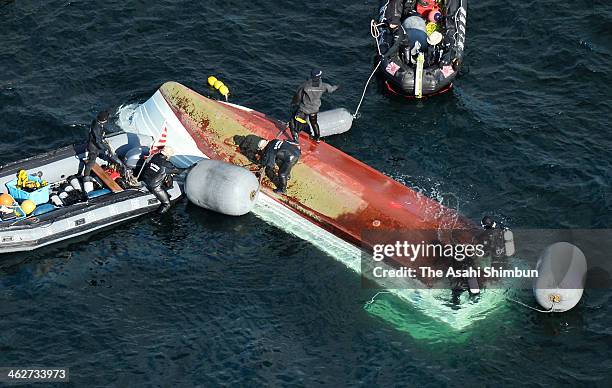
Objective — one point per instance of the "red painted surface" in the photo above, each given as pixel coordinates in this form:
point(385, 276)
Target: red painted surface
point(383, 202)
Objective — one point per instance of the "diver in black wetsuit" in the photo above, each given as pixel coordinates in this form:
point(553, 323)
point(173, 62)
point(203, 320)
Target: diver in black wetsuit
point(157, 175)
point(393, 13)
point(98, 146)
point(282, 153)
point(308, 101)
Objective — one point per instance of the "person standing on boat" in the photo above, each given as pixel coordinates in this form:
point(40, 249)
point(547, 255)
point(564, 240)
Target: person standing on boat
point(98, 146)
point(157, 175)
point(308, 101)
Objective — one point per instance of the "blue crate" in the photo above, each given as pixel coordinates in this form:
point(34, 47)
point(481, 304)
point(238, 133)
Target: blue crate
point(39, 196)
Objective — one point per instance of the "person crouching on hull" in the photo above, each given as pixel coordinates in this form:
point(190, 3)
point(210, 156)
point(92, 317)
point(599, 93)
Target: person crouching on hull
point(157, 175)
point(269, 154)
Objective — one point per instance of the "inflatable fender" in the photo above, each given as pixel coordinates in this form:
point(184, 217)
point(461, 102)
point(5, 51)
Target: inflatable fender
point(221, 187)
point(509, 242)
point(562, 269)
point(334, 122)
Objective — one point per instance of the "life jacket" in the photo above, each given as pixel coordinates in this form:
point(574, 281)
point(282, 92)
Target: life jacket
point(427, 8)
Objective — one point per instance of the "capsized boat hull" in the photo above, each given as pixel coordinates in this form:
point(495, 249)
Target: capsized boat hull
point(327, 187)
point(331, 196)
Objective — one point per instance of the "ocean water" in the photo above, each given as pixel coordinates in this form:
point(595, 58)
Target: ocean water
point(199, 299)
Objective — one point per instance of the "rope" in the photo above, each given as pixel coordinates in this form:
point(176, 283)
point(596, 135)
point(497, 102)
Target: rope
point(262, 172)
point(364, 90)
point(371, 301)
point(526, 305)
point(530, 307)
point(375, 32)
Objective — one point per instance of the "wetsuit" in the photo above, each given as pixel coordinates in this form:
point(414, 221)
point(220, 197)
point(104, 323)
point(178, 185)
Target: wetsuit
point(285, 154)
point(411, 37)
point(154, 175)
point(394, 11)
point(308, 99)
point(98, 146)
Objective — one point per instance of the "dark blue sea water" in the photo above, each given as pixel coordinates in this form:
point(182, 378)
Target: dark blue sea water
point(200, 299)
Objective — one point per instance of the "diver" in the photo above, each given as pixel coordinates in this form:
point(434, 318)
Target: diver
point(308, 101)
point(410, 37)
point(157, 175)
point(270, 153)
point(393, 13)
point(97, 146)
point(493, 238)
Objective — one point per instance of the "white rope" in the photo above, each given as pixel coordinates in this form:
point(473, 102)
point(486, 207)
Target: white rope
point(530, 307)
point(524, 304)
point(364, 90)
point(371, 301)
point(375, 32)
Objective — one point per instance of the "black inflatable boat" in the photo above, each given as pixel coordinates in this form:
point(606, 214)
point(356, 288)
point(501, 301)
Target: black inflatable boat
point(442, 59)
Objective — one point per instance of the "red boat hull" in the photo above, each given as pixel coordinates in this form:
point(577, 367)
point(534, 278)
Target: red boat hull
point(328, 187)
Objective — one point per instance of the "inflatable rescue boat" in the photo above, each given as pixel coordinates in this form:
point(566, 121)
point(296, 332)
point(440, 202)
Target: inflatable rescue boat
point(444, 22)
point(332, 198)
point(63, 206)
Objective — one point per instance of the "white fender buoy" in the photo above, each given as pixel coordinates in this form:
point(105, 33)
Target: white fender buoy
point(561, 277)
point(509, 242)
point(334, 122)
point(222, 187)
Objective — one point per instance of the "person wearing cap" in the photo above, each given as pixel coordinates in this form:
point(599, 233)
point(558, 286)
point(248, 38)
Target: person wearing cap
point(269, 154)
point(97, 146)
point(157, 175)
point(308, 101)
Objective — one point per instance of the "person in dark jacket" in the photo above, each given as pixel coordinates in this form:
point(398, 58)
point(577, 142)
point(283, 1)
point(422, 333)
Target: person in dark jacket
point(97, 146)
point(308, 101)
point(268, 154)
point(393, 13)
point(282, 153)
point(156, 173)
point(409, 38)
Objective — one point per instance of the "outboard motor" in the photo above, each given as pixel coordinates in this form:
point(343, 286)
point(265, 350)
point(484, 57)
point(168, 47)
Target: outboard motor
point(562, 272)
point(222, 187)
point(135, 157)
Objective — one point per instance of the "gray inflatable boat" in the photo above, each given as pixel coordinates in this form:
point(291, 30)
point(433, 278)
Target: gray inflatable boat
point(55, 221)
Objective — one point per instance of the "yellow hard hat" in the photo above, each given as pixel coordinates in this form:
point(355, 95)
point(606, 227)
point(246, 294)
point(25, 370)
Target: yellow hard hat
point(28, 206)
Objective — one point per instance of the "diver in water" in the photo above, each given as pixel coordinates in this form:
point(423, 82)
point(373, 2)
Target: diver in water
point(97, 146)
point(268, 154)
point(308, 101)
point(157, 175)
point(493, 239)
